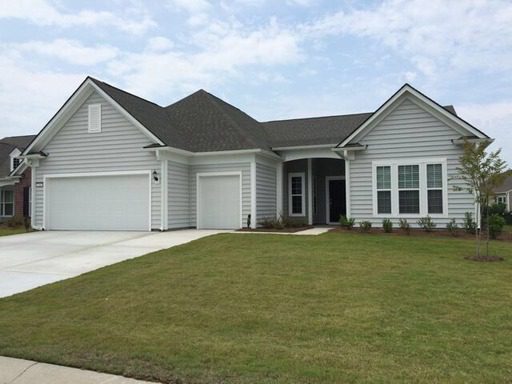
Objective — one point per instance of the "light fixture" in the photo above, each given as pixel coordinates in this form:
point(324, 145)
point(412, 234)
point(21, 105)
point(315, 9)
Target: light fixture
point(156, 178)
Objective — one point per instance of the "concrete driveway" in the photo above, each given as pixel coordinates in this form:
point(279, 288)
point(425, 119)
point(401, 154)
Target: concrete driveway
point(34, 259)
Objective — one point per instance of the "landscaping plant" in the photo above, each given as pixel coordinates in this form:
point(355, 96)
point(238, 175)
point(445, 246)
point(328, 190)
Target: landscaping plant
point(469, 223)
point(404, 226)
point(481, 172)
point(452, 227)
point(365, 226)
point(427, 223)
point(387, 225)
point(495, 225)
point(347, 222)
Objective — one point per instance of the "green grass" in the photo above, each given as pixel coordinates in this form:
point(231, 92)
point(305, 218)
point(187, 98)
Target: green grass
point(240, 308)
point(6, 231)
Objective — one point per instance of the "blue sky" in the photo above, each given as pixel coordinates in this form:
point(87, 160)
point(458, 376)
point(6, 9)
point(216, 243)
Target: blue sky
point(273, 59)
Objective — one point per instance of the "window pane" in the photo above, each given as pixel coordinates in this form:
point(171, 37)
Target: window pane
point(296, 185)
point(434, 176)
point(8, 196)
point(435, 201)
point(409, 201)
point(383, 201)
point(408, 176)
point(8, 209)
point(296, 205)
point(383, 177)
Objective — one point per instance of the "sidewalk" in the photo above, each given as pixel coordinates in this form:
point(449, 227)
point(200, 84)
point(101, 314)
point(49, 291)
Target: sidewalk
point(17, 371)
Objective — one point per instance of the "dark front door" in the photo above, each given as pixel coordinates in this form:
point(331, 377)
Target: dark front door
point(337, 200)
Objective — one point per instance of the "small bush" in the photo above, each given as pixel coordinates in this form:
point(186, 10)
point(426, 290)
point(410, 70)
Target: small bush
point(271, 223)
point(496, 224)
point(387, 225)
point(404, 226)
point(452, 227)
point(469, 223)
point(347, 222)
point(365, 226)
point(426, 223)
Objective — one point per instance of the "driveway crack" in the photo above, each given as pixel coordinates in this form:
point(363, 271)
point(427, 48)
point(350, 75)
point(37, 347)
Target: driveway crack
point(23, 372)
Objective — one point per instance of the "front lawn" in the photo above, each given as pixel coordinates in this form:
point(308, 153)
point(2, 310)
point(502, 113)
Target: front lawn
point(5, 231)
point(240, 308)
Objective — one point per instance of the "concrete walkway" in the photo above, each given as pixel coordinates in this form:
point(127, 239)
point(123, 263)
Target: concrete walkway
point(310, 231)
point(33, 259)
point(17, 371)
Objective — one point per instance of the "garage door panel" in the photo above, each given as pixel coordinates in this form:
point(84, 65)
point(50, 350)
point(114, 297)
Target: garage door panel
point(219, 202)
point(98, 203)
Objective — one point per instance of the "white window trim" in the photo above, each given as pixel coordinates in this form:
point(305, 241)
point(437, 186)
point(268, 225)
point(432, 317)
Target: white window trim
point(14, 155)
point(302, 175)
point(3, 203)
point(422, 163)
point(90, 115)
point(390, 189)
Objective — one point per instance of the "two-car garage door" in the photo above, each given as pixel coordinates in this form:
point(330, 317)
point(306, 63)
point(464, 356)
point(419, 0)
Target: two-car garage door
point(113, 202)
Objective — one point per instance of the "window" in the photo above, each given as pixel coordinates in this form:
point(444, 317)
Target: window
point(435, 188)
point(94, 125)
point(384, 189)
point(6, 202)
point(501, 200)
point(409, 188)
point(16, 161)
point(296, 200)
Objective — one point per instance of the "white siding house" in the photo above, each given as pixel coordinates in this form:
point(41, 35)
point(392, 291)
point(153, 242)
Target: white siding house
point(109, 160)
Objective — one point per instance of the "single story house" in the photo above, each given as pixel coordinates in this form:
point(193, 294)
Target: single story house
point(109, 160)
point(15, 192)
point(503, 194)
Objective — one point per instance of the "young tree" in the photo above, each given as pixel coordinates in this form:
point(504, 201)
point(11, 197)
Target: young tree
point(481, 173)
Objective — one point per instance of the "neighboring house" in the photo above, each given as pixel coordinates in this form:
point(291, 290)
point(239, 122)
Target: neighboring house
point(109, 160)
point(503, 194)
point(15, 178)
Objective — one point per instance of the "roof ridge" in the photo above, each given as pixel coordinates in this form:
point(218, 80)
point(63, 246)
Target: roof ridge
point(213, 99)
point(123, 91)
point(317, 117)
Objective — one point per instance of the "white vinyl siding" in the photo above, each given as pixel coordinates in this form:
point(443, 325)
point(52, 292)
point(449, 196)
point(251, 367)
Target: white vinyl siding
point(265, 191)
point(407, 132)
point(117, 148)
point(243, 167)
point(178, 195)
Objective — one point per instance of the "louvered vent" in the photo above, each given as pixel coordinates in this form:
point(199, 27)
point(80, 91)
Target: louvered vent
point(94, 118)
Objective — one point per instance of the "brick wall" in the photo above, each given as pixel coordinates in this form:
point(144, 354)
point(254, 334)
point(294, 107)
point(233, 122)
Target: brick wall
point(18, 192)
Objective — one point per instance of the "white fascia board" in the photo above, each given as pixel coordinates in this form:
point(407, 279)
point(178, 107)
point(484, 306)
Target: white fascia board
point(410, 91)
point(291, 148)
point(235, 152)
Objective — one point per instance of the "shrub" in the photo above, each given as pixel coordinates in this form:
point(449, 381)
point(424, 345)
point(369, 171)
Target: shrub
point(347, 222)
point(387, 225)
point(271, 223)
point(469, 223)
point(365, 226)
point(404, 226)
point(426, 223)
point(496, 224)
point(452, 227)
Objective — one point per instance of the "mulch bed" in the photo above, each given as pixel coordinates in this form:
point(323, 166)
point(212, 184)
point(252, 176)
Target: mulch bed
point(283, 230)
point(461, 234)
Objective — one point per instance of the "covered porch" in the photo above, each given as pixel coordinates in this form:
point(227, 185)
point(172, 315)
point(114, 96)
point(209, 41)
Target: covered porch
point(313, 190)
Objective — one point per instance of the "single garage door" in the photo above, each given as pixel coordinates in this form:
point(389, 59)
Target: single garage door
point(218, 202)
point(98, 203)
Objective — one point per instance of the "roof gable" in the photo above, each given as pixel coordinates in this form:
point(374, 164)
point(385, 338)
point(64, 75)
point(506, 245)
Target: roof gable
point(7, 146)
point(442, 113)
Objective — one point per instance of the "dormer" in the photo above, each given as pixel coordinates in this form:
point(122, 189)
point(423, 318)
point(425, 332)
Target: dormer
point(16, 160)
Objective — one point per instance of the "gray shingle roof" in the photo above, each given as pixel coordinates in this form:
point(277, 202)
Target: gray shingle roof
point(505, 186)
point(201, 122)
point(7, 145)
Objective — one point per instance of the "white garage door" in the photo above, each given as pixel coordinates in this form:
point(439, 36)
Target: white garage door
point(218, 202)
point(98, 203)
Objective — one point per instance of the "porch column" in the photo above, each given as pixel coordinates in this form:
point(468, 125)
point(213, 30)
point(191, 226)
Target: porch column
point(279, 190)
point(310, 192)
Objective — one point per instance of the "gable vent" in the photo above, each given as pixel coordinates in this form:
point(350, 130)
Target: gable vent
point(94, 118)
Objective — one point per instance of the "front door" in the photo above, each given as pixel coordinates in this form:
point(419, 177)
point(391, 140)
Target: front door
point(336, 199)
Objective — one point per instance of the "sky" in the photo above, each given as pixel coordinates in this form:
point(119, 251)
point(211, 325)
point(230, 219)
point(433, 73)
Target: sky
point(272, 59)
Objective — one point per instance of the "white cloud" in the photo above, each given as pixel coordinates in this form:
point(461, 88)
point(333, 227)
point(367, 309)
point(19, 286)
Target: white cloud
point(70, 51)
point(441, 36)
point(160, 44)
point(495, 119)
point(41, 12)
point(192, 6)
